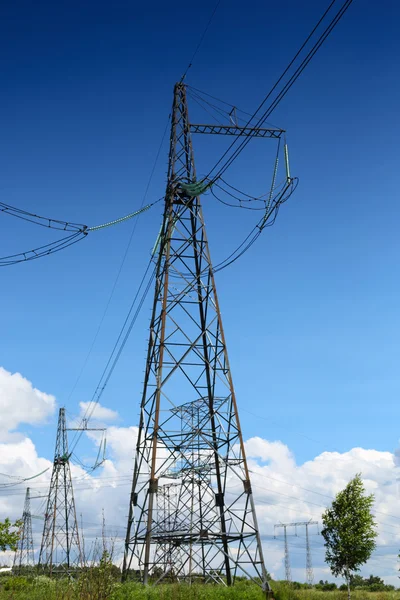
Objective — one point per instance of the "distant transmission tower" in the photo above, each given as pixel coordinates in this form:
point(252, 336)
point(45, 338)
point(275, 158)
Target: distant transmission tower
point(309, 567)
point(189, 430)
point(288, 573)
point(168, 555)
point(24, 558)
point(60, 552)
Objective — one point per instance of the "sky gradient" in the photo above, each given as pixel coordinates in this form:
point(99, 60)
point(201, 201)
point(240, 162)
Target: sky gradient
point(311, 311)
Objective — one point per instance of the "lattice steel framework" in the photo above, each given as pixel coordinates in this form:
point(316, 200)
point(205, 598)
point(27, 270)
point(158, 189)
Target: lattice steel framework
point(60, 552)
point(309, 567)
point(189, 431)
point(24, 558)
point(168, 556)
point(288, 572)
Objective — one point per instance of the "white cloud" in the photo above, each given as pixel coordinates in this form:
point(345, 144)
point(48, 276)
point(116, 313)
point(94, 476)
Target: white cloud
point(98, 412)
point(284, 491)
point(20, 402)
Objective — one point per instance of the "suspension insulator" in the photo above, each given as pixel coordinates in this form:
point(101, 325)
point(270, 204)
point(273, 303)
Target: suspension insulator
point(286, 152)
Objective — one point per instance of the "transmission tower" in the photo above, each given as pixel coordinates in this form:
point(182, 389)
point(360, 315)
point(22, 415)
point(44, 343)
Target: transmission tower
point(24, 558)
point(288, 573)
point(189, 430)
point(60, 552)
point(309, 567)
point(168, 556)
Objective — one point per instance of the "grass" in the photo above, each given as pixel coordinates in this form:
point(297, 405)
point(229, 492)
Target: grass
point(45, 589)
point(282, 592)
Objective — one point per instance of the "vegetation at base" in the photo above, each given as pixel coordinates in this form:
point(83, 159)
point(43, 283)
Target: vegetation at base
point(100, 584)
point(43, 588)
point(9, 534)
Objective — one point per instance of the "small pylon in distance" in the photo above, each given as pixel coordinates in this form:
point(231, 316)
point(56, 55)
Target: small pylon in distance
point(24, 559)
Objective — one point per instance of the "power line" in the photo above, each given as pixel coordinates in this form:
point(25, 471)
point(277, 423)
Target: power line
point(117, 349)
point(286, 87)
point(201, 40)
point(110, 297)
point(77, 235)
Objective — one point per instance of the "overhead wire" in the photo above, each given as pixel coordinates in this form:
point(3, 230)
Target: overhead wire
point(47, 222)
point(65, 242)
point(284, 90)
point(267, 220)
point(122, 263)
point(42, 251)
point(199, 93)
point(201, 40)
point(117, 349)
point(98, 394)
point(200, 101)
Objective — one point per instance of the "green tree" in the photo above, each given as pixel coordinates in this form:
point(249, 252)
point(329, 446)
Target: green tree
point(349, 530)
point(9, 535)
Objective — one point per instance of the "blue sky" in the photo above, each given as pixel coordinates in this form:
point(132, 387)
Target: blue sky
point(311, 311)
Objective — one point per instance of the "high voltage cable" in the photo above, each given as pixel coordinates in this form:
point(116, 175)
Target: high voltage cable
point(121, 265)
point(314, 492)
point(152, 173)
point(41, 251)
point(117, 349)
point(53, 247)
point(286, 506)
point(47, 222)
point(286, 87)
point(20, 479)
point(201, 40)
point(267, 220)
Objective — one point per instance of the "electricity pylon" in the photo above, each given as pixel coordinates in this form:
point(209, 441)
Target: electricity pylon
point(24, 558)
point(309, 567)
point(189, 430)
point(168, 556)
point(288, 573)
point(60, 551)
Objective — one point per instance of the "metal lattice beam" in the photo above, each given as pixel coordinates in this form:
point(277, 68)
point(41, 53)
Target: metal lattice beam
point(309, 567)
point(236, 130)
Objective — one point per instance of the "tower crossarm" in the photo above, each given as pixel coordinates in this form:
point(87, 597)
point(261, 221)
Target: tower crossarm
point(236, 130)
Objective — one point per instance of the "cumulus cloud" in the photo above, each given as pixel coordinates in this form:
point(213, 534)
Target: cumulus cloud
point(98, 412)
point(20, 402)
point(284, 490)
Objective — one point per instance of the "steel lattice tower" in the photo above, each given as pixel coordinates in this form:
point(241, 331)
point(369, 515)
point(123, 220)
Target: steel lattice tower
point(288, 572)
point(24, 558)
point(309, 567)
point(60, 552)
point(189, 430)
point(168, 556)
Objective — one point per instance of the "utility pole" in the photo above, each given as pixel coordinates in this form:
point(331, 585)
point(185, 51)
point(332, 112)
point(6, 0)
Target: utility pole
point(24, 559)
point(189, 429)
point(309, 567)
point(60, 552)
